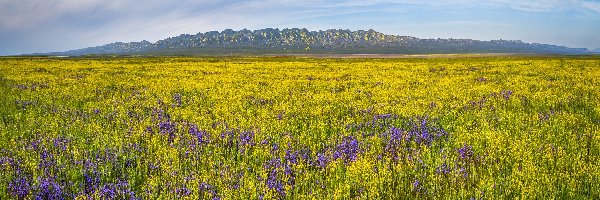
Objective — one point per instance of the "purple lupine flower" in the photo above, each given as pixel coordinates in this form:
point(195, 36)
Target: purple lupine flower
point(122, 188)
point(420, 132)
point(177, 100)
point(337, 154)
point(292, 181)
point(61, 143)
point(322, 160)
point(275, 184)
point(543, 116)
point(394, 142)
point(506, 94)
point(153, 166)
point(47, 160)
point(202, 137)
point(96, 111)
point(34, 145)
point(91, 177)
point(246, 138)
point(160, 114)
point(166, 127)
point(465, 152)
point(19, 187)
point(416, 185)
point(149, 129)
point(432, 104)
point(291, 157)
point(348, 149)
point(5, 161)
point(273, 163)
point(227, 134)
point(288, 170)
point(305, 154)
point(440, 133)
point(272, 179)
point(184, 192)
point(23, 105)
point(108, 191)
point(443, 169)
point(90, 183)
point(264, 142)
point(206, 188)
point(48, 189)
point(131, 114)
point(21, 86)
point(463, 171)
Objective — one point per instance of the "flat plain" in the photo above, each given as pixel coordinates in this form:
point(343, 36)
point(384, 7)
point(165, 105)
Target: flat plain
point(489, 127)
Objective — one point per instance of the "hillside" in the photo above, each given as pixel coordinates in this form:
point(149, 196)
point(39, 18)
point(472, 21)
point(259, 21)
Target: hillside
point(268, 41)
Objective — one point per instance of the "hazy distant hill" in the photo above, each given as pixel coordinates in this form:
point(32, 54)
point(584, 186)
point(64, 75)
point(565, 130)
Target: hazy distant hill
point(267, 41)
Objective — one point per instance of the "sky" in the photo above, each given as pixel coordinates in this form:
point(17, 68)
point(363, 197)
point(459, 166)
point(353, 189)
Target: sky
point(38, 26)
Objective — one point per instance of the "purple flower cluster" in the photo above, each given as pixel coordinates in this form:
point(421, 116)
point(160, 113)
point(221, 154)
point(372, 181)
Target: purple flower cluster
point(466, 159)
point(168, 128)
point(61, 143)
point(422, 132)
point(395, 141)
point(159, 114)
point(49, 189)
point(506, 94)
point(273, 181)
point(205, 188)
point(47, 161)
point(465, 152)
point(31, 87)
point(322, 160)
point(20, 187)
point(183, 192)
point(416, 185)
point(91, 177)
point(283, 173)
point(120, 190)
point(348, 149)
point(545, 116)
point(443, 169)
point(23, 105)
point(247, 138)
point(177, 100)
point(202, 137)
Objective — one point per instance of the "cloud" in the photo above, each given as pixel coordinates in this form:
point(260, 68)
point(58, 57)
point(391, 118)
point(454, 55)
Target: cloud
point(591, 5)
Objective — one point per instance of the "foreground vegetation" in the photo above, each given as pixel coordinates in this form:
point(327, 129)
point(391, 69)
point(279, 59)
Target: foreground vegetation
point(300, 128)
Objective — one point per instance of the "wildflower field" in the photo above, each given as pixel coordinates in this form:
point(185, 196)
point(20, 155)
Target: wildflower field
point(300, 128)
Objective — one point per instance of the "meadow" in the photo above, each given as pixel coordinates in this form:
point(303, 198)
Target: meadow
point(502, 127)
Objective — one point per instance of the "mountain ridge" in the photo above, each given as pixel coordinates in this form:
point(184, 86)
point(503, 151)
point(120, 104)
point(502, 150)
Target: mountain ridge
point(296, 40)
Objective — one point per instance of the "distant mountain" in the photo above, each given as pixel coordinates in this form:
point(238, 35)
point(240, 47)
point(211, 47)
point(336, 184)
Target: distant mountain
point(276, 41)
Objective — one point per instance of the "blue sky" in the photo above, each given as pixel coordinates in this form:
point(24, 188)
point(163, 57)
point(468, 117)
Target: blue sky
point(29, 26)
